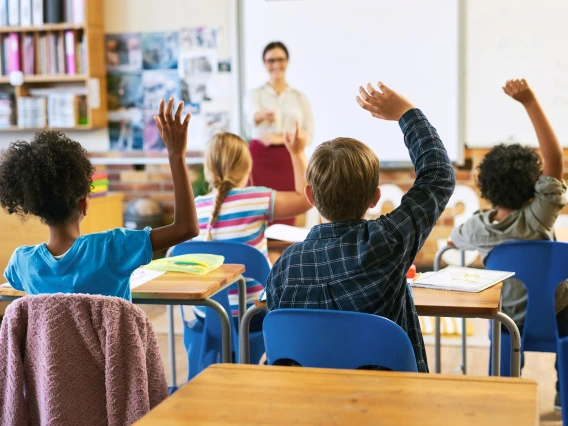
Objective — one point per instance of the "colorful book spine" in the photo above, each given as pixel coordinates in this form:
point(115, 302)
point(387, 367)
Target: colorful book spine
point(29, 55)
point(25, 13)
point(53, 12)
point(70, 52)
point(13, 13)
point(37, 12)
point(12, 54)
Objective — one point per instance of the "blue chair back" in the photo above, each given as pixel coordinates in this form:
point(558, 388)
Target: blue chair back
point(336, 339)
point(541, 266)
point(256, 266)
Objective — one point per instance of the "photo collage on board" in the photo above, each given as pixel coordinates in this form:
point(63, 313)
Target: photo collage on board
point(143, 68)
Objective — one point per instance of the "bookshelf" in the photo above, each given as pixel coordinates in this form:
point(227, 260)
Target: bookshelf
point(45, 77)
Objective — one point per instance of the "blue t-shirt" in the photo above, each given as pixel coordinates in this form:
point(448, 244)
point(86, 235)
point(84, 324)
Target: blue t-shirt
point(95, 264)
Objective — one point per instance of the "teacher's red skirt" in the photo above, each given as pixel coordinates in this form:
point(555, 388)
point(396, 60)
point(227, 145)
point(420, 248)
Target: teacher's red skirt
point(272, 167)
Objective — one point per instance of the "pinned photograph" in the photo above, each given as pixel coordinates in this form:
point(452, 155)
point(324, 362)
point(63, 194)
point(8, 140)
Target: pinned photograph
point(195, 91)
point(216, 122)
point(198, 64)
point(123, 52)
point(160, 85)
point(224, 65)
point(124, 90)
point(160, 50)
point(199, 38)
point(125, 130)
point(152, 140)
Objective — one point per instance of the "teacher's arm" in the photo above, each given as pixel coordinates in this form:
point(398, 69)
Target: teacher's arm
point(292, 203)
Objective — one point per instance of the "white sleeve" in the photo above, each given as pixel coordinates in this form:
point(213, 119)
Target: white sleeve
point(251, 106)
point(308, 118)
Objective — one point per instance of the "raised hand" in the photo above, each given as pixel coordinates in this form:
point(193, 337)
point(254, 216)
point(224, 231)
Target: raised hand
point(519, 90)
point(296, 140)
point(384, 103)
point(173, 130)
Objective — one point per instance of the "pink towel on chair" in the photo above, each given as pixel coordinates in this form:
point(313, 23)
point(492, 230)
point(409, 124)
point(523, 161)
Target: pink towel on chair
point(73, 359)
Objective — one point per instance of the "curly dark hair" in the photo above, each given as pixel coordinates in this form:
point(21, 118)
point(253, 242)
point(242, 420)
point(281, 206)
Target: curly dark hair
point(45, 177)
point(507, 175)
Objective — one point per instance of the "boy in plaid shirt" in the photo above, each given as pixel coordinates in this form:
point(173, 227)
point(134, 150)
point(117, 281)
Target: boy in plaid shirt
point(351, 264)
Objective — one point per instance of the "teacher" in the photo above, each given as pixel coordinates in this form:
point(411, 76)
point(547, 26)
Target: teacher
point(271, 110)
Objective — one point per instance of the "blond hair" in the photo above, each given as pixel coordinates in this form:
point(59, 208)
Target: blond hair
point(344, 176)
point(227, 164)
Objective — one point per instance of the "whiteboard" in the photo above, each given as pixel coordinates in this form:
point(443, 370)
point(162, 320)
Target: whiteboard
point(337, 45)
point(508, 39)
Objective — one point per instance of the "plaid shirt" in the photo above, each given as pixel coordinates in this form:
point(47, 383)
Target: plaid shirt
point(360, 265)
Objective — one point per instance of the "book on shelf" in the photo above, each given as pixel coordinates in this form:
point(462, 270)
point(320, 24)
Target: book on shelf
point(13, 13)
point(28, 55)
point(70, 53)
point(25, 13)
point(6, 110)
point(37, 12)
point(32, 112)
point(53, 11)
point(11, 56)
point(3, 13)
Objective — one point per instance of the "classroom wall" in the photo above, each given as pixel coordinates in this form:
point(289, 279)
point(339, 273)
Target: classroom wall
point(146, 16)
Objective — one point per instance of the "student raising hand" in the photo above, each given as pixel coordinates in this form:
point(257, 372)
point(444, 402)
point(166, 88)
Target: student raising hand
point(173, 131)
point(384, 103)
point(552, 153)
point(296, 140)
point(519, 90)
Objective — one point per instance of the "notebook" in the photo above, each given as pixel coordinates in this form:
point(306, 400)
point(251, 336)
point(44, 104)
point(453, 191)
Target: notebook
point(457, 278)
point(288, 233)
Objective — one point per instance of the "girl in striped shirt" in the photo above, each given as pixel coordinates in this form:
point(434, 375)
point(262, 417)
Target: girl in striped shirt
point(237, 213)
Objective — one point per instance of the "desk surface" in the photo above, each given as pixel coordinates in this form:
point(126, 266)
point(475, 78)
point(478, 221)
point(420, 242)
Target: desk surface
point(432, 302)
point(175, 285)
point(226, 394)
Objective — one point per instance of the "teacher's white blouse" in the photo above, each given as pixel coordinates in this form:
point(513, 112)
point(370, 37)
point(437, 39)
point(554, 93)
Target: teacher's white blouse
point(289, 106)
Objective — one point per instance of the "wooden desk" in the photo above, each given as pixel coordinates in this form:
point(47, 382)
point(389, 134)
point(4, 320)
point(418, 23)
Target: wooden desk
point(176, 288)
point(105, 212)
point(485, 304)
point(226, 394)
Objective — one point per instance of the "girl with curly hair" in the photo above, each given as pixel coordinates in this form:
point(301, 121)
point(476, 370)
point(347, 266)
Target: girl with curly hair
point(50, 178)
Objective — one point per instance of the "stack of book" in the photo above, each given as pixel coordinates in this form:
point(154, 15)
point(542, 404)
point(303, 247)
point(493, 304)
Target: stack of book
point(62, 110)
point(6, 110)
point(24, 13)
point(100, 184)
point(32, 112)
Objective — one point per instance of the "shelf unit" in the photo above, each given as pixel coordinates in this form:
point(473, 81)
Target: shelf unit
point(95, 78)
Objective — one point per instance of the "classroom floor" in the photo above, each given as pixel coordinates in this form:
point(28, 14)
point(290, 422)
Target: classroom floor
point(538, 366)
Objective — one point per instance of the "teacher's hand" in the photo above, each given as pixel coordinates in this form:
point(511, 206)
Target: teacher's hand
point(265, 115)
point(296, 140)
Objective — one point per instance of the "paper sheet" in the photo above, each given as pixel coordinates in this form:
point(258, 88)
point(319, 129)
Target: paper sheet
point(292, 234)
point(462, 279)
point(141, 276)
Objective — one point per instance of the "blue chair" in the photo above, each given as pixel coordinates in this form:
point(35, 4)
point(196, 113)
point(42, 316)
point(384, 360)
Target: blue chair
point(202, 341)
point(563, 374)
point(541, 266)
point(336, 339)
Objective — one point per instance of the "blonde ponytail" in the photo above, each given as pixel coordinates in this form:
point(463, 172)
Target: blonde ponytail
point(227, 164)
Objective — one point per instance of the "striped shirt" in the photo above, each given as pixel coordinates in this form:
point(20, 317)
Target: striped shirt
point(243, 219)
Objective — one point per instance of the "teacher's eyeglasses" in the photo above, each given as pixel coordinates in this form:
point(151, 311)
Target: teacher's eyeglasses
point(273, 61)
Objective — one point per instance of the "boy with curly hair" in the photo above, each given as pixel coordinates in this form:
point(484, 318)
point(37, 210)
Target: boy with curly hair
point(527, 196)
point(50, 178)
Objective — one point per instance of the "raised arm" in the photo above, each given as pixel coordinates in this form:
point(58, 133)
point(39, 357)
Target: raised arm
point(410, 223)
point(551, 150)
point(174, 134)
point(290, 204)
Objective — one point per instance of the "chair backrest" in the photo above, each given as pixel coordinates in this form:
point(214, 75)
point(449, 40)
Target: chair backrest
point(256, 266)
point(541, 266)
point(336, 339)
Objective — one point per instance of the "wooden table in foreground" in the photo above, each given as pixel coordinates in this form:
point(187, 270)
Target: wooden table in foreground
point(440, 303)
point(177, 288)
point(228, 394)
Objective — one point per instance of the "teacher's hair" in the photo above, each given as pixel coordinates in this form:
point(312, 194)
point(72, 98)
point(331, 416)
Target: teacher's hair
point(275, 45)
point(227, 163)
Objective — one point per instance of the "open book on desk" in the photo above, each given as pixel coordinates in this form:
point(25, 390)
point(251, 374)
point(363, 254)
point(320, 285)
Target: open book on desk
point(461, 279)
